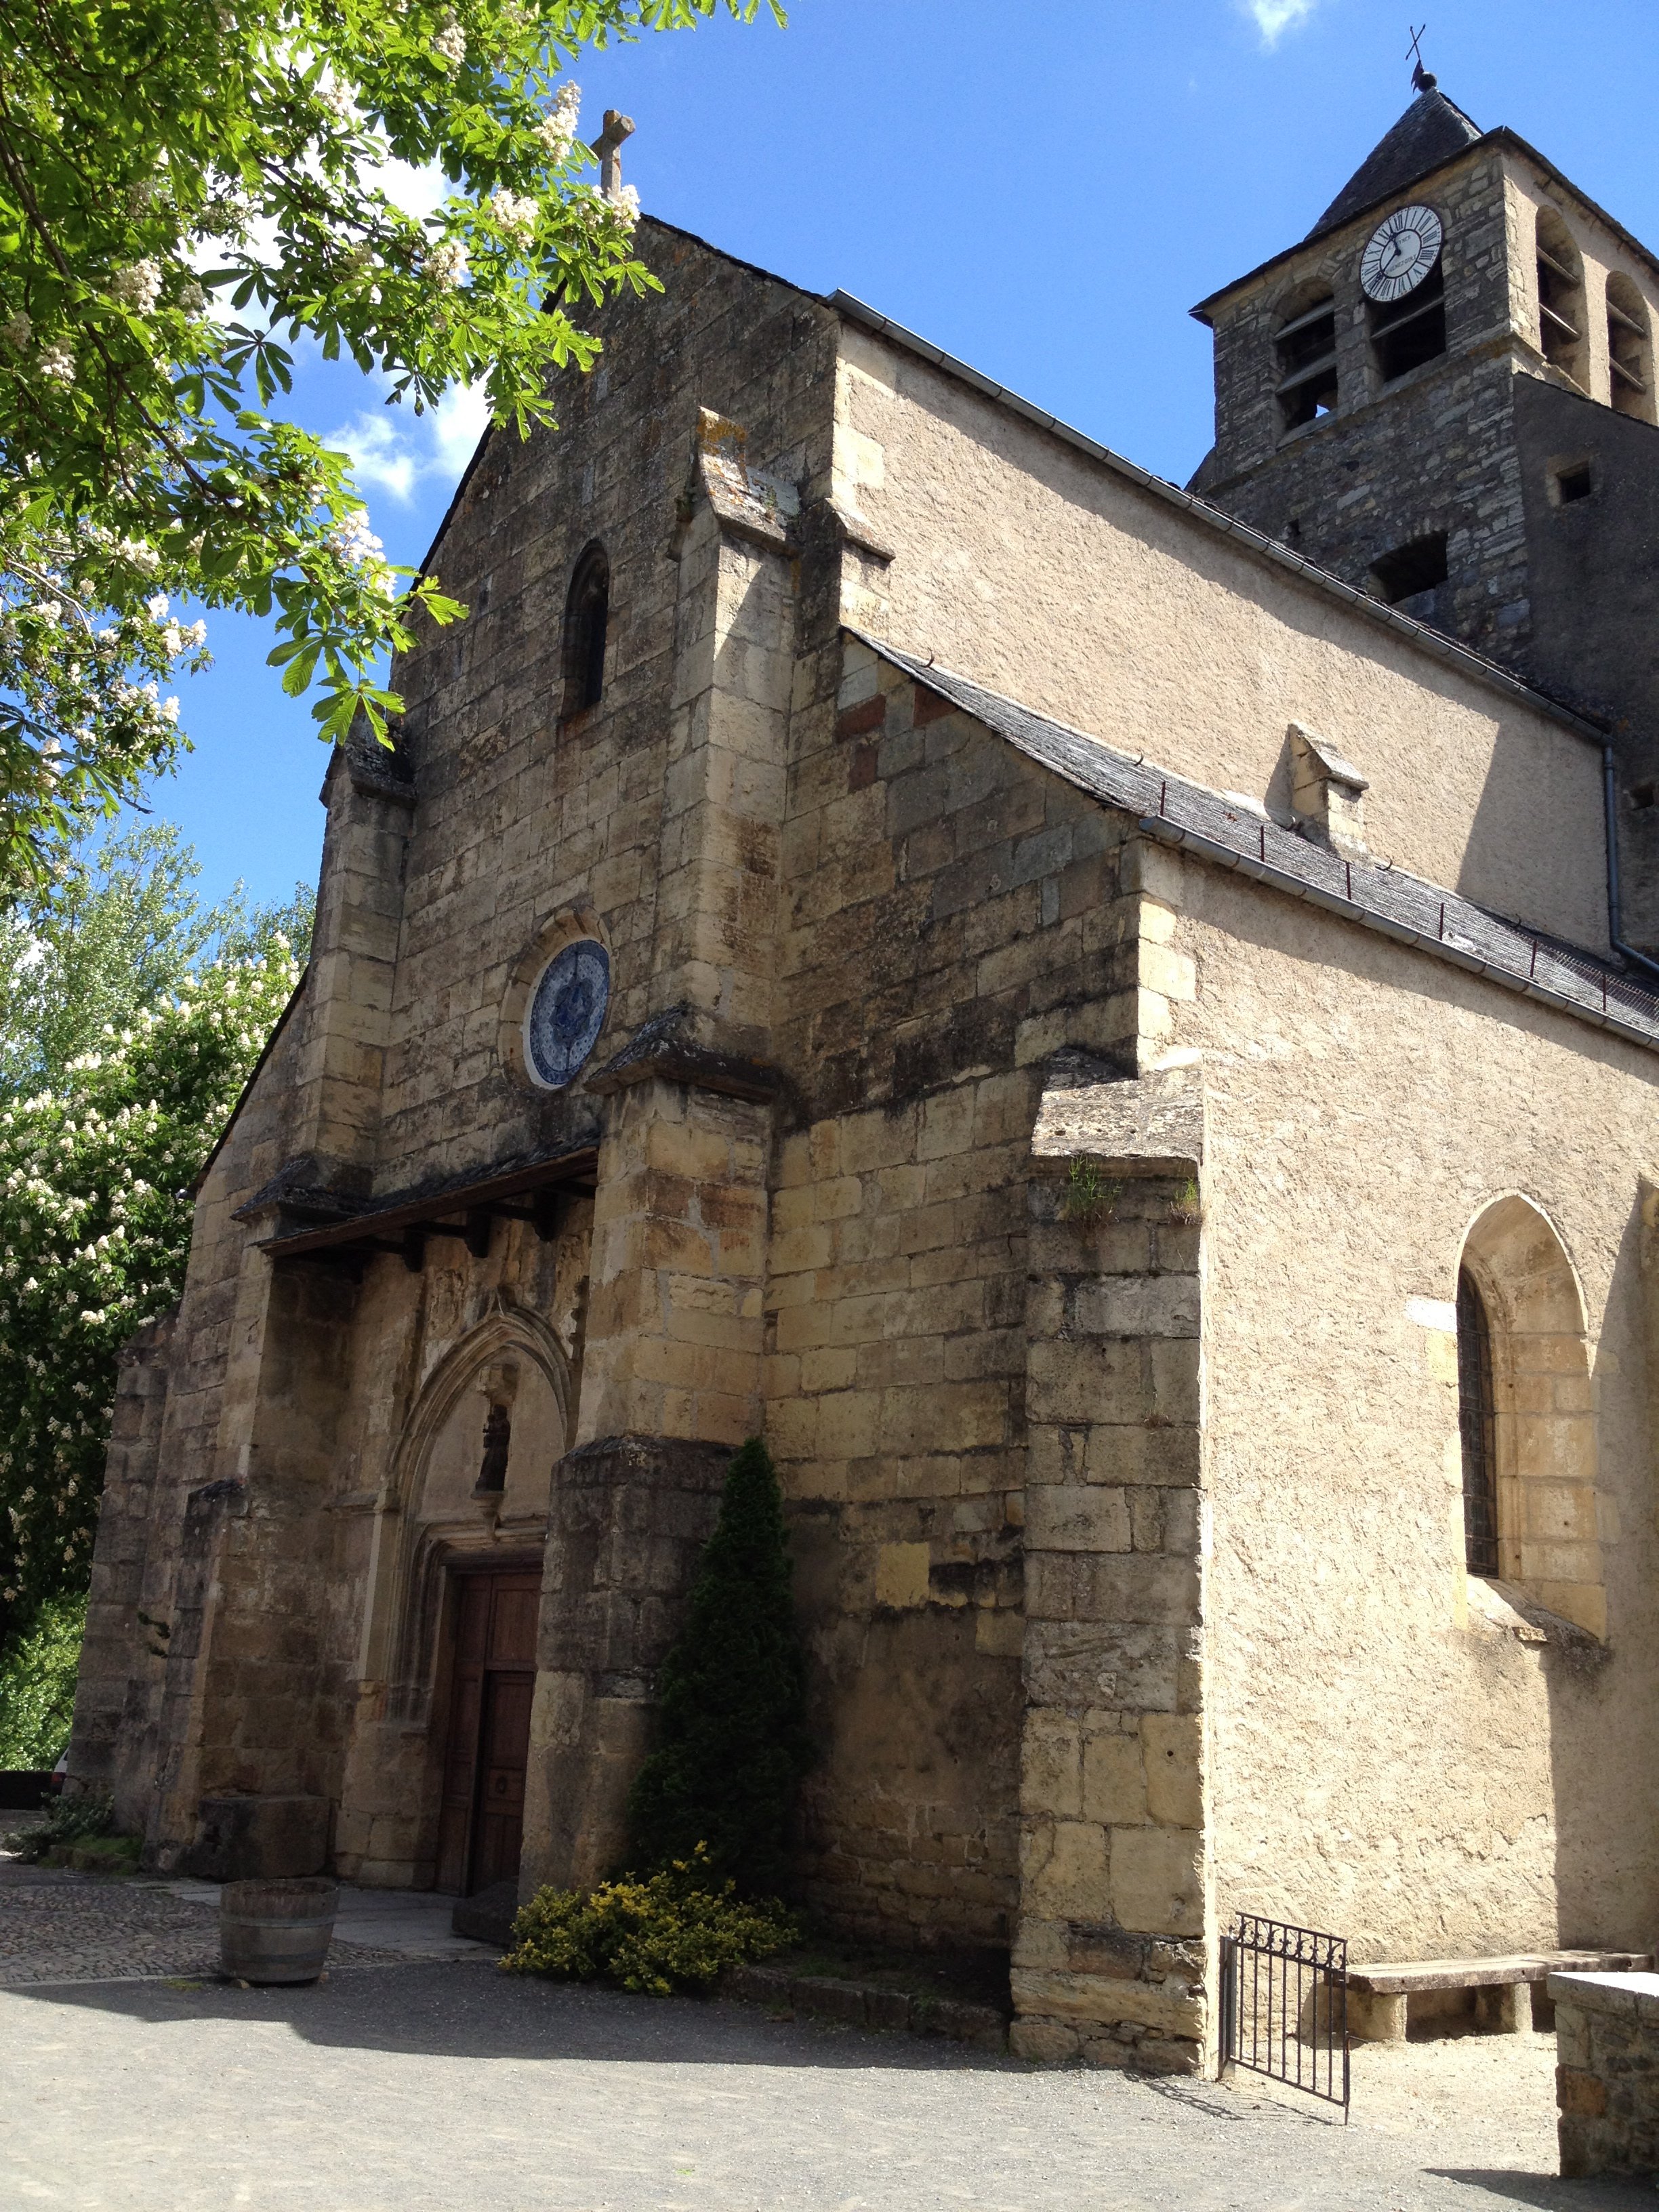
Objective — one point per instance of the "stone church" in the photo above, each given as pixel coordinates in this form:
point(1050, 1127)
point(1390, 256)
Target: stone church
point(1097, 1018)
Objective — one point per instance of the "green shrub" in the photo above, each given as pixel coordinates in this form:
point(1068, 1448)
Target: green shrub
point(731, 1713)
point(69, 1821)
point(37, 1686)
point(667, 1931)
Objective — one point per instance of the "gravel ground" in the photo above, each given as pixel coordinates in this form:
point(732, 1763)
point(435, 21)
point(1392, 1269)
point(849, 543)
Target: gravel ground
point(408, 2088)
point(61, 1927)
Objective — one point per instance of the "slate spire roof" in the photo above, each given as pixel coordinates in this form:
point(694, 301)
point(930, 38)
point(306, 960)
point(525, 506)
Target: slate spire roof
point(1431, 132)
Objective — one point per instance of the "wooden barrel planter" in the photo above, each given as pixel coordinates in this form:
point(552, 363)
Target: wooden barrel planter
point(276, 1931)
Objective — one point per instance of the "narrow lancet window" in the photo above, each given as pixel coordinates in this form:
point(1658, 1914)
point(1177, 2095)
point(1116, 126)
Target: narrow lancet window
point(1477, 1423)
point(586, 617)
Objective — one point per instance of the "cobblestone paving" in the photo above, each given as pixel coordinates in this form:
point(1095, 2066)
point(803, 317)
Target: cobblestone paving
point(59, 1927)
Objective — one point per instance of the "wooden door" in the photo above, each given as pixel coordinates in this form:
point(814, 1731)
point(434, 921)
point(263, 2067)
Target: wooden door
point(488, 1748)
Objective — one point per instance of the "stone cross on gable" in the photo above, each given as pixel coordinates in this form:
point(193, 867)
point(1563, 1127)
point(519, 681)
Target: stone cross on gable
point(608, 146)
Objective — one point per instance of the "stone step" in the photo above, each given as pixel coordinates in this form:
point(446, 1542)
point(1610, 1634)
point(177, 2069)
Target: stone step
point(869, 2004)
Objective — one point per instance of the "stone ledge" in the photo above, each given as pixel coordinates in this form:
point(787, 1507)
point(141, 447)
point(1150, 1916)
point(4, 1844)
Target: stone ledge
point(1629, 1996)
point(869, 2004)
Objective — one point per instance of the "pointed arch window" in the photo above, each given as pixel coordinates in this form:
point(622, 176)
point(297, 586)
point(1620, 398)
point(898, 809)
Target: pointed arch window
point(586, 619)
point(1477, 1423)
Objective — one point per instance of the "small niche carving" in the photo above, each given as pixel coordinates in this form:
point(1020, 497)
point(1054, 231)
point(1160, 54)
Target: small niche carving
point(497, 1444)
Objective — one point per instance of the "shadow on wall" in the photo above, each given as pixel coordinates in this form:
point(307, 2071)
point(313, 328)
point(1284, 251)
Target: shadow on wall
point(1604, 1719)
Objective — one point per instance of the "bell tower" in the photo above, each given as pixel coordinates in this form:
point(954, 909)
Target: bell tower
point(1445, 394)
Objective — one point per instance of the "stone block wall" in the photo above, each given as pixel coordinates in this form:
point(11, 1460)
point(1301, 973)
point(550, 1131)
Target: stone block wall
point(950, 924)
point(1115, 1956)
point(1607, 2080)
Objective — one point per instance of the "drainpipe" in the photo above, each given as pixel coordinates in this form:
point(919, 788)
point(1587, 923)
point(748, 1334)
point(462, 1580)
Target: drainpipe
point(1610, 807)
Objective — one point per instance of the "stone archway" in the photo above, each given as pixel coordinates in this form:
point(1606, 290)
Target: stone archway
point(467, 1497)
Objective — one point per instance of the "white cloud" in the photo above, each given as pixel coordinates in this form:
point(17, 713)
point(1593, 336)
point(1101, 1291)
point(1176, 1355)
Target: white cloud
point(394, 450)
point(1274, 17)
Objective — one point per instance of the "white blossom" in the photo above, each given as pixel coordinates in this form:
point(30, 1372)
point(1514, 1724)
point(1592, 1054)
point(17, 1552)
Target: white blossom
point(138, 288)
point(157, 607)
point(138, 554)
point(192, 298)
point(627, 204)
point(446, 263)
point(558, 129)
point(450, 45)
point(333, 97)
point(17, 329)
point(57, 364)
point(352, 538)
point(516, 213)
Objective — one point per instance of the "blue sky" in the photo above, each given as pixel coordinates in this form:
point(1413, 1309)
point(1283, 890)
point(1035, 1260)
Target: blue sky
point(1043, 190)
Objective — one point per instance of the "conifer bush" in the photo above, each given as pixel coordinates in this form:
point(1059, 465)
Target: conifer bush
point(732, 1743)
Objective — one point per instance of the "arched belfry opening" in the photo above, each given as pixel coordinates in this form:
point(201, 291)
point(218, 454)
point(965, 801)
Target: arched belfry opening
point(1630, 350)
point(1527, 1421)
point(1560, 297)
point(1304, 355)
point(586, 621)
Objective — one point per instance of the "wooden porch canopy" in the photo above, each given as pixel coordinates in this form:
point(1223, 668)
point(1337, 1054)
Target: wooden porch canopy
point(535, 1191)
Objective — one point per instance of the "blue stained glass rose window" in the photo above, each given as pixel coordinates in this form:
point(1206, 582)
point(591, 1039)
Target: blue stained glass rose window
point(567, 1011)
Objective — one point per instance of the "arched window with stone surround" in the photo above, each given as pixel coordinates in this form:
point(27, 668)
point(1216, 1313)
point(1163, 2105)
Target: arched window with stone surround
point(586, 619)
point(1630, 350)
point(1527, 1418)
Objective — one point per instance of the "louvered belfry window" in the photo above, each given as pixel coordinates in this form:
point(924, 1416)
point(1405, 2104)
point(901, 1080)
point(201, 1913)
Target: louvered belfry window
point(1477, 1425)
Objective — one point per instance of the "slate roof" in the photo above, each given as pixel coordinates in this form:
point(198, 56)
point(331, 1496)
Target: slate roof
point(1431, 132)
point(1219, 829)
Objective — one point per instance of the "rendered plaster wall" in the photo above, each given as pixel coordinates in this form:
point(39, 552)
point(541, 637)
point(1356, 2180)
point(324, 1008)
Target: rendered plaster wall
point(1395, 1758)
point(1062, 583)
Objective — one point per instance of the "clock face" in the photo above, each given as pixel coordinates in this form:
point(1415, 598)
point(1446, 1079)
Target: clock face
point(567, 1013)
point(1402, 251)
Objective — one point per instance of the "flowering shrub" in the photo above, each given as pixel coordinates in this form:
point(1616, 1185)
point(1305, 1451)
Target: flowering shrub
point(95, 1203)
point(668, 1931)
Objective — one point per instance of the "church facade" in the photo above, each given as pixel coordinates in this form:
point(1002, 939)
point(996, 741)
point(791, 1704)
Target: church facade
point(892, 929)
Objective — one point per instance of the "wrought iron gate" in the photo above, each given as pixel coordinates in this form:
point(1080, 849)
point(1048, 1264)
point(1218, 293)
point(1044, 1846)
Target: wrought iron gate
point(1284, 2005)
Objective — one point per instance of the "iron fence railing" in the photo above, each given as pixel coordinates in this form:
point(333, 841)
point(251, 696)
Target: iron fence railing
point(1284, 2005)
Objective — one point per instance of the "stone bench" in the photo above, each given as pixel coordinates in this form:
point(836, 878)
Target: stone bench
point(1506, 1994)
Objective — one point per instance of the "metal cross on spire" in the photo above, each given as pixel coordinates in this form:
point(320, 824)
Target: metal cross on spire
point(608, 146)
point(1421, 80)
